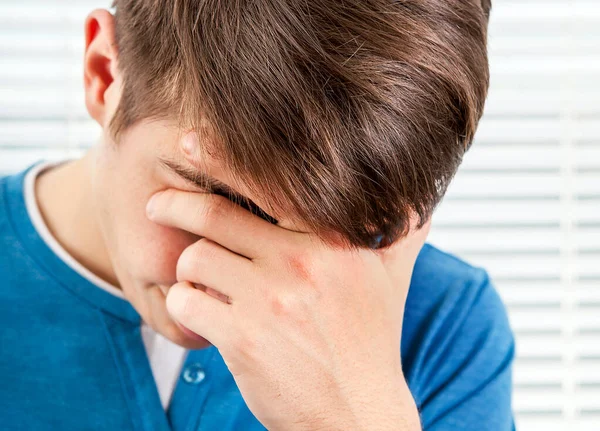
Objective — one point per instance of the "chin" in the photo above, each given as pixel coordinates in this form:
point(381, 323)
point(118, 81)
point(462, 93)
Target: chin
point(185, 338)
point(169, 327)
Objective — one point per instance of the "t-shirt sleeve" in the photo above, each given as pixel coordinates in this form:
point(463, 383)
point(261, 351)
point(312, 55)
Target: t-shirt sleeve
point(469, 382)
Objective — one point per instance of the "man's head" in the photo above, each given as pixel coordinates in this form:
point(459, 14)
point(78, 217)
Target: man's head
point(344, 117)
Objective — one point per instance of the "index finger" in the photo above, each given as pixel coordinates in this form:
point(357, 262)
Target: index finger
point(219, 219)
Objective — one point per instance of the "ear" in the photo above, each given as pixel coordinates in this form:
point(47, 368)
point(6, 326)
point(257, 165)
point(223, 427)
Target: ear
point(100, 65)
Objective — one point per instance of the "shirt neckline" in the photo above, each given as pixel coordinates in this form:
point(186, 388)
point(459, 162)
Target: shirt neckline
point(165, 357)
point(38, 223)
point(49, 255)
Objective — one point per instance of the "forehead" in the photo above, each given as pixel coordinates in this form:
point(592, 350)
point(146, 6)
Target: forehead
point(168, 140)
point(210, 184)
point(203, 169)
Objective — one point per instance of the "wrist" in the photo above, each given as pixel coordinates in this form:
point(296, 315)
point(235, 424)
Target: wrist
point(389, 408)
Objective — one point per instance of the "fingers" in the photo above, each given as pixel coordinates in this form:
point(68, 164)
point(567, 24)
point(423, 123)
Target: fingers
point(200, 312)
point(212, 265)
point(217, 218)
point(159, 317)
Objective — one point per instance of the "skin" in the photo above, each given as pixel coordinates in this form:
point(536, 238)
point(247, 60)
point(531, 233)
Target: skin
point(289, 315)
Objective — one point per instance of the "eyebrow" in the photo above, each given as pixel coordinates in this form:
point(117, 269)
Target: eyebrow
point(212, 185)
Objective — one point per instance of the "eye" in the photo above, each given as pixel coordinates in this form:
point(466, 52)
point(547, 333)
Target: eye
point(254, 209)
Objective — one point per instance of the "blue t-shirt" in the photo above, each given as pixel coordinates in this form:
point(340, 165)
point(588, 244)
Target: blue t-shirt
point(72, 355)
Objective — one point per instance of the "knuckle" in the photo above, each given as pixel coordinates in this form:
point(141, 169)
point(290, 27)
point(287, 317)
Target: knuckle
point(277, 306)
point(301, 265)
point(294, 309)
point(287, 304)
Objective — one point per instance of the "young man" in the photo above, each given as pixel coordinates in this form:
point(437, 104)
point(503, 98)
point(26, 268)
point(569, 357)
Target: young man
point(243, 248)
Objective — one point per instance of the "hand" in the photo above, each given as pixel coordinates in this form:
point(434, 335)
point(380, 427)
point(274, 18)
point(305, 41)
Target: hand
point(310, 333)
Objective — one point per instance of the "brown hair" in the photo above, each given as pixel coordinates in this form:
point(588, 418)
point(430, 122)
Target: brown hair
point(349, 115)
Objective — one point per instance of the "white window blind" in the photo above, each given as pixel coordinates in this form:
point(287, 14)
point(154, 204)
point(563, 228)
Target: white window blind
point(525, 204)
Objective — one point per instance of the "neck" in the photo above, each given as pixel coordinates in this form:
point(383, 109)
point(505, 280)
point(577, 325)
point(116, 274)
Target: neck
point(64, 197)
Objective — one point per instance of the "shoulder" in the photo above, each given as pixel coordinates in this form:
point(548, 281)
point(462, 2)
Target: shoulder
point(17, 265)
point(3, 180)
point(6, 231)
point(444, 268)
point(13, 206)
point(458, 345)
point(14, 262)
point(445, 286)
point(11, 193)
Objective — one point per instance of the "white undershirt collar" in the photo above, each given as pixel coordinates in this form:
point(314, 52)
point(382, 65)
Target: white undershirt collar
point(166, 358)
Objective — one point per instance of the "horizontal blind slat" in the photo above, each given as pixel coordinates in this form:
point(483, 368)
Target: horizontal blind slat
point(525, 204)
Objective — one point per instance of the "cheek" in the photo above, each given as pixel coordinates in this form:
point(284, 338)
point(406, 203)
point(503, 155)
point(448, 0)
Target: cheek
point(156, 252)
